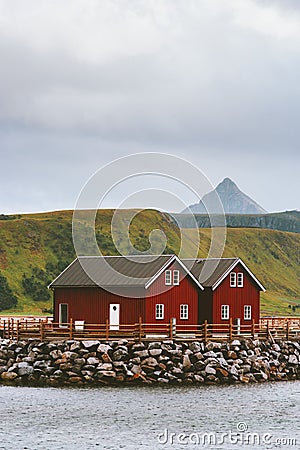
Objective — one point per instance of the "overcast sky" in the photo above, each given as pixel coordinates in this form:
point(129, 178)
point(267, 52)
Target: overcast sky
point(83, 82)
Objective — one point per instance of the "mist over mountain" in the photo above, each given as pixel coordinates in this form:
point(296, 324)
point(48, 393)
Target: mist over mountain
point(234, 201)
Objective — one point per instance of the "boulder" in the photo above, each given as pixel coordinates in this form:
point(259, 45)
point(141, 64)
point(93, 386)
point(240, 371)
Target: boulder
point(9, 376)
point(103, 348)
point(155, 351)
point(90, 345)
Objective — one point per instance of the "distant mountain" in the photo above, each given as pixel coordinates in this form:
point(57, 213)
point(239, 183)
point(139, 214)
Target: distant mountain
point(283, 221)
point(234, 201)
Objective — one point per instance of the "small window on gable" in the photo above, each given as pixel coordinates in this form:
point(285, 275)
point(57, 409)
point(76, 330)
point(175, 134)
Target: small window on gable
point(233, 279)
point(159, 311)
point(168, 277)
point(247, 312)
point(225, 312)
point(176, 277)
point(184, 312)
point(240, 279)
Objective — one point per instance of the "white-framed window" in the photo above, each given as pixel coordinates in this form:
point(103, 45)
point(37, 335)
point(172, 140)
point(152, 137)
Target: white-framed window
point(247, 312)
point(176, 277)
point(159, 310)
point(240, 279)
point(225, 312)
point(184, 312)
point(233, 279)
point(168, 277)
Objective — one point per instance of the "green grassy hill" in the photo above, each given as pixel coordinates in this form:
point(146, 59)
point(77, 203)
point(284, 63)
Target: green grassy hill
point(34, 248)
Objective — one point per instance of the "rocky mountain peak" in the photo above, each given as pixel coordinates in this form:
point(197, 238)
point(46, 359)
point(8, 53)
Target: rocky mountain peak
point(234, 201)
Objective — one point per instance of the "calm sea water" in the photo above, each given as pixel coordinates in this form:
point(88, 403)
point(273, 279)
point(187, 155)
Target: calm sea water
point(145, 417)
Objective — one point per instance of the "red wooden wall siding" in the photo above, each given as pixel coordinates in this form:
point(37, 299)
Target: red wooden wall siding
point(92, 304)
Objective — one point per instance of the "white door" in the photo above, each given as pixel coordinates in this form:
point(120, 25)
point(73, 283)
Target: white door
point(114, 316)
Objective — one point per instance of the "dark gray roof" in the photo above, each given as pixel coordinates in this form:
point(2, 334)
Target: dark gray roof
point(208, 271)
point(89, 271)
point(111, 271)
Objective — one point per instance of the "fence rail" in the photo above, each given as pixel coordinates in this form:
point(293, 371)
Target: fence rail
point(268, 328)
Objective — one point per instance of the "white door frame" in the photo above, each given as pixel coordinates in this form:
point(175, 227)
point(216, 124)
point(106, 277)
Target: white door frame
point(61, 323)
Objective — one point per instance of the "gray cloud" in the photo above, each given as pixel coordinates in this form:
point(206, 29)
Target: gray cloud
point(214, 81)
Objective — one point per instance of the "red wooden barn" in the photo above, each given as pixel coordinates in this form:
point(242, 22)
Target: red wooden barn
point(156, 288)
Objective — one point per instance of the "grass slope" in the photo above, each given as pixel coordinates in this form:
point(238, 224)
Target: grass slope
point(274, 258)
point(39, 246)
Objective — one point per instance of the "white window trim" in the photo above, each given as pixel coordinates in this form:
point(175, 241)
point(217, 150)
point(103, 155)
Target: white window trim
point(233, 279)
point(247, 310)
point(176, 275)
point(184, 311)
point(227, 309)
point(168, 273)
point(161, 309)
point(240, 283)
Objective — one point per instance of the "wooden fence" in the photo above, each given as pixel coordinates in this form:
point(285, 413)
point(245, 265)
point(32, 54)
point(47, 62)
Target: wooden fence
point(268, 328)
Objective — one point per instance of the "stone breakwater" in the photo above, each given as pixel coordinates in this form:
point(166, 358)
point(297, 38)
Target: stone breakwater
point(82, 363)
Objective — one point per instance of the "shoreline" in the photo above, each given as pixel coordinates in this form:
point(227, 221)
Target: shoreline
point(127, 363)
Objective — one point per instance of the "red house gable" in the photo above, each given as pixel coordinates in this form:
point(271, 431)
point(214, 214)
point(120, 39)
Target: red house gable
point(177, 293)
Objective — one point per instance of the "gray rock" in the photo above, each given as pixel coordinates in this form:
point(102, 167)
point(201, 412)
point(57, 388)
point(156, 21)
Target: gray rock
point(195, 347)
point(210, 354)
point(58, 373)
point(154, 345)
point(198, 355)
point(79, 361)
point(106, 374)
point(210, 370)
point(75, 346)
point(136, 369)
point(89, 345)
point(92, 361)
point(104, 348)
point(69, 355)
point(141, 353)
point(155, 351)
point(163, 380)
point(55, 354)
point(25, 370)
point(293, 359)
point(234, 371)
point(105, 366)
point(198, 378)
point(120, 355)
point(186, 362)
point(40, 364)
point(149, 362)
point(139, 346)
point(209, 346)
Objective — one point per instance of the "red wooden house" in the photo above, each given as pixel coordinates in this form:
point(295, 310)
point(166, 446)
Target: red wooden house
point(156, 289)
point(94, 289)
point(231, 291)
